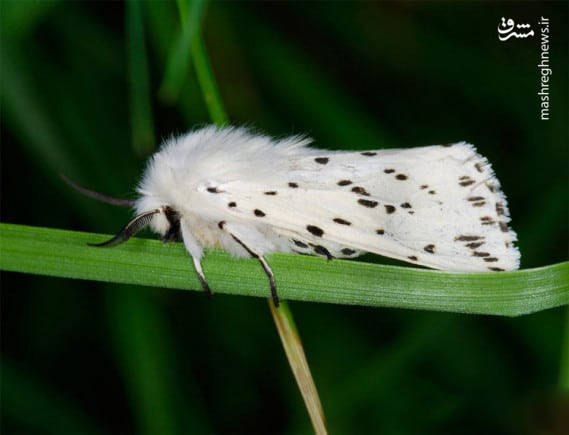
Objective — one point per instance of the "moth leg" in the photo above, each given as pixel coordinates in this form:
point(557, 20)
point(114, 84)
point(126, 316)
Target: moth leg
point(201, 276)
point(195, 251)
point(266, 268)
point(271, 276)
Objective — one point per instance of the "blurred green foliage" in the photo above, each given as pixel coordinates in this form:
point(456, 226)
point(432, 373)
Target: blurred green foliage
point(80, 95)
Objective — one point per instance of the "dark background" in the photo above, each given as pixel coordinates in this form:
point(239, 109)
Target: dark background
point(88, 357)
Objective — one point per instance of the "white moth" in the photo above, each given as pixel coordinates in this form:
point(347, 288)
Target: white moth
point(251, 195)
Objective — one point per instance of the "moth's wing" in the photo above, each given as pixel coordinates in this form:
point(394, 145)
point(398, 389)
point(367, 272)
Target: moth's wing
point(438, 206)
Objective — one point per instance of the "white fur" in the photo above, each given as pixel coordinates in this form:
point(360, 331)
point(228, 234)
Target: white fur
point(243, 166)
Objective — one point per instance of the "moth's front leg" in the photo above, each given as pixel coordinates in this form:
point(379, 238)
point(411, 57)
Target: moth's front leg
point(196, 252)
point(252, 242)
point(201, 276)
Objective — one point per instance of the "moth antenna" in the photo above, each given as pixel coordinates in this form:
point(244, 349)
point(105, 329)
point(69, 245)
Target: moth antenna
point(96, 195)
point(134, 226)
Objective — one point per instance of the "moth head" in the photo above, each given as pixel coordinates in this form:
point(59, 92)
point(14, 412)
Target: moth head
point(170, 229)
point(165, 222)
point(163, 219)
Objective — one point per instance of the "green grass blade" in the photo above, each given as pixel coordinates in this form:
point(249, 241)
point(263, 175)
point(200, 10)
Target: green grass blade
point(200, 58)
point(292, 344)
point(207, 81)
point(148, 262)
point(140, 106)
point(189, 103)
point(178, 63)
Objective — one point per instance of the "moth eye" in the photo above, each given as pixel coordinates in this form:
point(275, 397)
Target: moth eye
point(172, 233)
point(171, 214)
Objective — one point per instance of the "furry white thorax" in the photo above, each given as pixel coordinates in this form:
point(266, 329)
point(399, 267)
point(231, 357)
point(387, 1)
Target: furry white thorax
point(179, 175)
point(436, 206)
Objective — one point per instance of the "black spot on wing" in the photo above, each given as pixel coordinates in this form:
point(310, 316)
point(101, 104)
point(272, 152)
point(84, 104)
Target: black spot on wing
point(380, 232)
point(496, 269)
point(367, 203)
point(342, 221)
point(313, 229)
point(430, 248)
point(369, 154)
point(474, 245)
point(221, 224)
point(500, 211)
point(389, 209)
point(490, 259)
point(259, 213)
point(213, 190)
point(293, 185)
point(344, 182)
point(360, 191)
point(321, 160)
point(406, 205)
point(389, 171)
point(348, 251)
point(412, 258)
point(299, 243)
point(401, 177)
point(480, 254)
point(271, 192)
point(463, 238)
point(424, 186)
point(478, 201)
point(232, 204)
point(465, 180)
